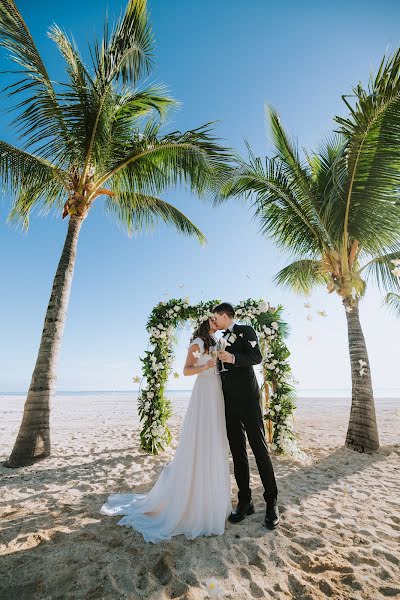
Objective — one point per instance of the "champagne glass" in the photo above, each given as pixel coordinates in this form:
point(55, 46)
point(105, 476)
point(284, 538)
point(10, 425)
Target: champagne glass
point(214, 356)
point(221, 345)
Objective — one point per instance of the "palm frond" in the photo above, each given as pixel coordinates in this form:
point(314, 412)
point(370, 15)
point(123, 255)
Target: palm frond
point(19, 168)
point(153, 162)
point(392, 301)
point(380, 270)
point(277, 206)
point(126, 53)
point(40, 198)
point(302, 276)
point(140, 212)
point(39, 113)
point(372, 133)
point(138, 103)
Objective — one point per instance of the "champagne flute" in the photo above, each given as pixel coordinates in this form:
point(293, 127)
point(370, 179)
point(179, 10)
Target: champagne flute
point(221, 346)
point(214, 356)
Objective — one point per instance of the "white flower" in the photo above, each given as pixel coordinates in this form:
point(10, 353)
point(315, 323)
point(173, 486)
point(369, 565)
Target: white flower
point(150, 394)
point(267, 330)
point(275, 326)
point(252, 343)
point(270, 366)
point(278, 407)
point(338, 522)
point(396, 262)
point(263, 306)
point(177, 308)
point(239, 311)
point(348, 309)
point(214, 589)
point(274, 446)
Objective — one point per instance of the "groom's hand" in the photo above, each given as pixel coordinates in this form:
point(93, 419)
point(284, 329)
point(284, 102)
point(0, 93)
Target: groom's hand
point(226, 357)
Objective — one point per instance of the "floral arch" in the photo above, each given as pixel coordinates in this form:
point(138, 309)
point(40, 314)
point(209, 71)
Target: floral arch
point(277, 389)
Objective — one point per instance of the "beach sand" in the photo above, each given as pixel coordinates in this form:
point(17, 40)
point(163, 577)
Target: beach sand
point(340, 514)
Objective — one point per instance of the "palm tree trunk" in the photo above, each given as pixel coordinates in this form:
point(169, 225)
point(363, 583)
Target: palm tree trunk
point(362, 433)
point(33, 440)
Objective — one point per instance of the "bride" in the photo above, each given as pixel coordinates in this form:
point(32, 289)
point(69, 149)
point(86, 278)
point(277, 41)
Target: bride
point(192, 495)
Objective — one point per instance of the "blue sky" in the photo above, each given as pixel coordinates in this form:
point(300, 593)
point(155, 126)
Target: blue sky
point(224, 60)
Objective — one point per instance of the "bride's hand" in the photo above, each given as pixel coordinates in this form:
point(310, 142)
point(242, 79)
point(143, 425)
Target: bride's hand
point(210, 364)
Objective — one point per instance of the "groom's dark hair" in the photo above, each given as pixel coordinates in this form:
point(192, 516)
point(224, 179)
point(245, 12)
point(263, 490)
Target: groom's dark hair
point(225, 308)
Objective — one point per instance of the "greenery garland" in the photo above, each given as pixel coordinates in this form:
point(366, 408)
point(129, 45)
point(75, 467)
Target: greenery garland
point(155, 409)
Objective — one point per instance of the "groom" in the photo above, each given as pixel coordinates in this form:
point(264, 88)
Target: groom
point(243, 414)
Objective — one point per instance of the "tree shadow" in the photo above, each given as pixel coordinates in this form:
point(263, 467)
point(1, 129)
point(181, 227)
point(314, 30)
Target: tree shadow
point(68, 550)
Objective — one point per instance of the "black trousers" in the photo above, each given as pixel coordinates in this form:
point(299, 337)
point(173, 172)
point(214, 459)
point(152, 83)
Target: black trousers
point(242, 421)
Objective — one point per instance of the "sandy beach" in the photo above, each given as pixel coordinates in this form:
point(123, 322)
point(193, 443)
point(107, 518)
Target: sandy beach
point(339, 535)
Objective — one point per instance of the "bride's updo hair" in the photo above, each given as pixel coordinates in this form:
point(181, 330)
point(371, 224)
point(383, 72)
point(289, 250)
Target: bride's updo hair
point(203, 332)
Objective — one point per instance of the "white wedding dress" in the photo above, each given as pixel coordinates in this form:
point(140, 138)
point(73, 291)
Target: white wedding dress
point(192, 495)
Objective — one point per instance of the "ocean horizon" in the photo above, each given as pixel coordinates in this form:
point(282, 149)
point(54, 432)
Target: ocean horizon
point(300, 392)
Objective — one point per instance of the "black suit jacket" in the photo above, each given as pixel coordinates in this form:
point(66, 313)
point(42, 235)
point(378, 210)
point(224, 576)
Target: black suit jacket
point(239, 383)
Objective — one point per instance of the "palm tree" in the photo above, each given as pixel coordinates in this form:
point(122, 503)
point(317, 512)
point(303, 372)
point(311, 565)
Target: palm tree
point(337, 212)
point(93, 135)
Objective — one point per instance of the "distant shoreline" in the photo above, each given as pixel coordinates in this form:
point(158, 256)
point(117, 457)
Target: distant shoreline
point(306, 393)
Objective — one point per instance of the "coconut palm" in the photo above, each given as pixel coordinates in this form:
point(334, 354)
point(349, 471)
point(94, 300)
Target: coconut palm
point(337, 212)
point(96, 134)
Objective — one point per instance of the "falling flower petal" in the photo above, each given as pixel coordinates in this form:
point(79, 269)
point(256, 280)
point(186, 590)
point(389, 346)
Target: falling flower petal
point(309, 338)
point(136, 379)
point(396, 272)
point(309, 318)
point(362, 363)
point(307, 305)
point(322, 313)
point(348, 309)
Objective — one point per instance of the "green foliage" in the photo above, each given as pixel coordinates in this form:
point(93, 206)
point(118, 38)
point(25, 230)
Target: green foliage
point(100, 131)
point(155, 408)
point(337, 211)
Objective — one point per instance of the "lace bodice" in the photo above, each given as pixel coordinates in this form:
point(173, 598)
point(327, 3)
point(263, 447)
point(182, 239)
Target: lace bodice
point(203, 358)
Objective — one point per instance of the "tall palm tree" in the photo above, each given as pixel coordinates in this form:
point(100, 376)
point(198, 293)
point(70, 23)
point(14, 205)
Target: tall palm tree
point(337, 212)
point(93, 135)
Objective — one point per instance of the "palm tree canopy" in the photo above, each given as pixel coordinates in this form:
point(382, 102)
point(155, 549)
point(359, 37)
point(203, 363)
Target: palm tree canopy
point(99, 132)
point(337, 210)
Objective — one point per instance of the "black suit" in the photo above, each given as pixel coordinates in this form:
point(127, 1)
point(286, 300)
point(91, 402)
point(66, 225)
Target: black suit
point(243, 412)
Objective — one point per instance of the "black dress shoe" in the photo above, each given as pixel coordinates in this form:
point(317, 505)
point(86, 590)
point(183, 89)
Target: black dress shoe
point(241, 511)
point(272, 515)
